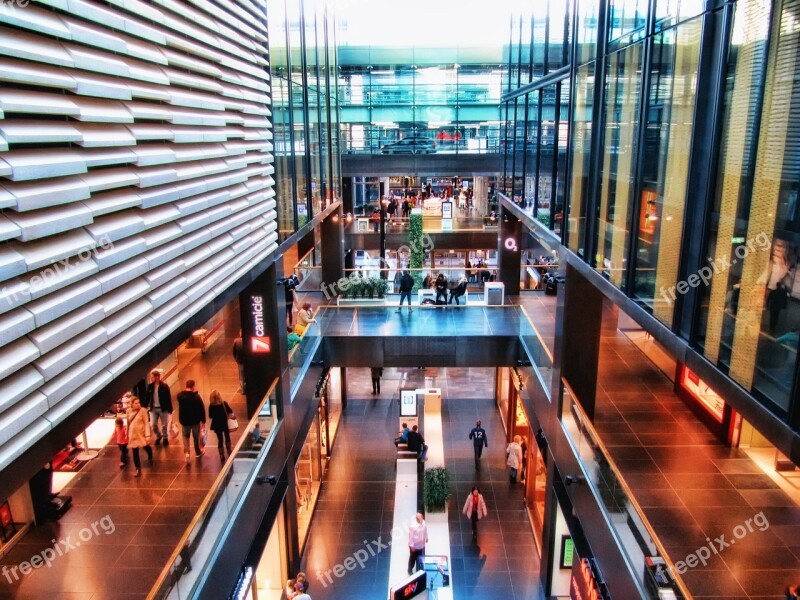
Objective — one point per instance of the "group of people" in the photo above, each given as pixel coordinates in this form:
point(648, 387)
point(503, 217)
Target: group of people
point(441, 285)
point(478, 272)
point(149, 420)
point(414, 440)
point(297, 588)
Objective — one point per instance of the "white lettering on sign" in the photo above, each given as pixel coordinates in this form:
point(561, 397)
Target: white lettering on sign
point(257, 304)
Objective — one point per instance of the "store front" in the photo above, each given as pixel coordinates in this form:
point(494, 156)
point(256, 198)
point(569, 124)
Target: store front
point(308, 478)
point(268, 580)
point(517, 422)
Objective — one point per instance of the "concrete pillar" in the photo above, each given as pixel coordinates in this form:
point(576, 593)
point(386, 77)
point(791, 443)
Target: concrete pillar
point(332, 248)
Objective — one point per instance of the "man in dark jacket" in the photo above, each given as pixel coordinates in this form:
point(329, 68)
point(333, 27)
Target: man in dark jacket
point(375, 374)
point(416, 443)
point(191, 413)
point(158, 400)
point(406, 285)
point(479, 441)
point(458, 291)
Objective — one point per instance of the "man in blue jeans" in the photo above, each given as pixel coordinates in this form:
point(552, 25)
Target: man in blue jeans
point(191, 413)
point(406, 286)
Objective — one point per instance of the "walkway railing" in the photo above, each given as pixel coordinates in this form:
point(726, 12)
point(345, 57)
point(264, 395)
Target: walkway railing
point(634, 534)
point(184, 568)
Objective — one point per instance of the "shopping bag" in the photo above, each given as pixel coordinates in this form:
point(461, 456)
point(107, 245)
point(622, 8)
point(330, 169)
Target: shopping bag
point(203, 436)
point(233, 424)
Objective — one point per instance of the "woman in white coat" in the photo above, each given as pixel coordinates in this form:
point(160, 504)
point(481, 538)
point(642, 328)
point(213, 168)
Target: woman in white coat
point(475, 509)
point(139, 433)
point(514, 458)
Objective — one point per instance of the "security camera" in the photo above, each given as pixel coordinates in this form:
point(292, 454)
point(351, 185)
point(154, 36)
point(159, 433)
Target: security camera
point(262, 479)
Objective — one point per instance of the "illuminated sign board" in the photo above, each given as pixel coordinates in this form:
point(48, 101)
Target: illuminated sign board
point(700, 391)
point(259, 345)
point(411, 587)
point(259, 342)
point(408, 403)
point(582, 586)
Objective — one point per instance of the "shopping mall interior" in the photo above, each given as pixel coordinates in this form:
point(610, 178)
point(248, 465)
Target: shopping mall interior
point(358, 299)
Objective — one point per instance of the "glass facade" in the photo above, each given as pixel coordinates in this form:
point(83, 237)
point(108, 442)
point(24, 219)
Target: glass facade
point(683, 171)
point(536, 132)
point(749, 314)
point(404, 101)
point(305, 111)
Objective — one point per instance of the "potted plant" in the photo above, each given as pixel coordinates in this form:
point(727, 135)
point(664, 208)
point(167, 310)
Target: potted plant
point(355, 288)
point(381, 287)
point(436, 489)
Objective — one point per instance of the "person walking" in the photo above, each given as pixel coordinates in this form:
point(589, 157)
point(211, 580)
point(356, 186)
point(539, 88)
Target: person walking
point(479, 442)
point(475, 509)
point(139, 433)
point(121, 438)
point(191, 414)
point(514, 458)
point(158, 400)
point(375, 373)
point(219, 412)
point(417, 538)
point(406, 286)
point(238, 356)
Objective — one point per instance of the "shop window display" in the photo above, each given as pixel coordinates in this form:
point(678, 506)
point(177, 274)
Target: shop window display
point(308, 477)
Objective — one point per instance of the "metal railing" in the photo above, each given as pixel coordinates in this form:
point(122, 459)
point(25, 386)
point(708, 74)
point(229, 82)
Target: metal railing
point(179, 578)
point(627, 520)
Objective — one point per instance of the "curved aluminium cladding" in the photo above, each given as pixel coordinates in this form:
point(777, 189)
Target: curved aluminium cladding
point(135, 186)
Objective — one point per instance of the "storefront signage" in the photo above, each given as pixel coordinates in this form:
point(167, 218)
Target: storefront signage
point(257, 310)
point(259, 345)
point(411, 588)
point(583, 586)
point(700, 391)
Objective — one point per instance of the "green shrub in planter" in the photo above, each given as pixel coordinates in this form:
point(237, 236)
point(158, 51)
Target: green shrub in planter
point(381, 287)
point(437, 489)
point(416, 247)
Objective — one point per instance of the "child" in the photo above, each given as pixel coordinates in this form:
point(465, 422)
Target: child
point(121, 437)
point(403, 438)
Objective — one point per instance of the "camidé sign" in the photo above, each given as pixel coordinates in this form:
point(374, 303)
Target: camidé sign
point(259, 342)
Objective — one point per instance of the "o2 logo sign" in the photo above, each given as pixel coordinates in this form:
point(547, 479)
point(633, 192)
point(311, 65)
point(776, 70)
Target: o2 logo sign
point(511, 244)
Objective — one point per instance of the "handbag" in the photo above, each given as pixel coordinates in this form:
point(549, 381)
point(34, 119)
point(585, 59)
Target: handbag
point(203, 436)
point(233, 424)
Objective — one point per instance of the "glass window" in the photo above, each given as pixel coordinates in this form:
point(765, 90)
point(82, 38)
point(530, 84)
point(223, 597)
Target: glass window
point(669, 120)
point(669, 12)
point(581, 157)
point(621, 118)
point(626, 16)
point(750, 316)
point(586, 31)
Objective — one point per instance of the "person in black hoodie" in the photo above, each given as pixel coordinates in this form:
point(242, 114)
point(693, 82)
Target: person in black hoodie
point(191, 413)
point(219, 412)
point(406, 285)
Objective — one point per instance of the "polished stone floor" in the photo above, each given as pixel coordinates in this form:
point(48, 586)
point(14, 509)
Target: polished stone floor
point(357, 498)
point(690, 486)
point(139, 521)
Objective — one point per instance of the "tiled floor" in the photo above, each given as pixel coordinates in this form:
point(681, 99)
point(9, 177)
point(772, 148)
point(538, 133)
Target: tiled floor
point(139, 521)
point(691, 487)
point(356, 503)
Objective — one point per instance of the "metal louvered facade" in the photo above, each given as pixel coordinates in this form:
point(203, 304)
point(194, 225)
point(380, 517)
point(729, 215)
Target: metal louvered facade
point(136, 185)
